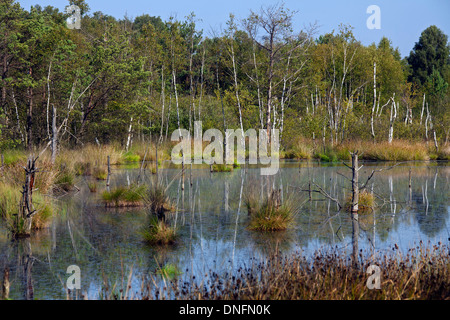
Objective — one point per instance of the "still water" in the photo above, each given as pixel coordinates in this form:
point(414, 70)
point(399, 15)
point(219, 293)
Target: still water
point(212, 220)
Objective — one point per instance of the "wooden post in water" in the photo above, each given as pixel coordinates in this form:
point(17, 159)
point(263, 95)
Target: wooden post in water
point(309, 189)
point(109, 173)
point(355, 187)
point(354, 207)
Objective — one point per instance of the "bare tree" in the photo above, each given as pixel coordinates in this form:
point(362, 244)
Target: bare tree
point(276, 21)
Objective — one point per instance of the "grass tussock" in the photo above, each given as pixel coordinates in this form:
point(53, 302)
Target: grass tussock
point(92, 186)
point(131, 196)
point(222, 167)
point(158, 231)
point(270, 213)
point(366, 202)
point(158, 200)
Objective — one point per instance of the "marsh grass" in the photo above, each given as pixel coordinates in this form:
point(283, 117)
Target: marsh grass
point(366, 202)
point(398, 150)
point(130, 157)
point(100, 173)
point(92, 186)
point(158, 231)
point(157, 198)
point(10, 198)
point(421, 273)
point(269, 213)
point(222, 168)
point(131, 196)
point(65, 179)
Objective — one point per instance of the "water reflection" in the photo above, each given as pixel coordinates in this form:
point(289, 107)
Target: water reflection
point(211, 220)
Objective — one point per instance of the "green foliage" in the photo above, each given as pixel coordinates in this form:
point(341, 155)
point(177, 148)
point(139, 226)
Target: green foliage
point(120, 74)
point(429, 53)
point(131, 157)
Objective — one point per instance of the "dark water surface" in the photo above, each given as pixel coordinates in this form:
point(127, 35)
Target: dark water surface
point(212, 223)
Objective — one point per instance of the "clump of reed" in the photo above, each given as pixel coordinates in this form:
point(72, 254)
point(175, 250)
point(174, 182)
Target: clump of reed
point(221, 167)
point(157, 199)
point(121, 196)
point(269, 213)
point(92, 186)
point(158, 231)
point(366, 202)
point(65, 179)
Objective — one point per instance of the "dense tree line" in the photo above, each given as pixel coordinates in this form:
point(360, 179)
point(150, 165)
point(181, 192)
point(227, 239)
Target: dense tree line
point(117, 79)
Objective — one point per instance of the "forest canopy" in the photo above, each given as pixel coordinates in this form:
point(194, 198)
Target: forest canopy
point(148, 77)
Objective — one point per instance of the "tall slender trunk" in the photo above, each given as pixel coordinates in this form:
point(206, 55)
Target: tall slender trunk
point(163, 98)
point(269, 94)
point(355, 186)
point(374, 99)
point(54, 137)
point(129, 133)
point(29, 126)
point(201, 85)
point(261, 117)
point(392, 120)
point(423, 107)
point(236, 88)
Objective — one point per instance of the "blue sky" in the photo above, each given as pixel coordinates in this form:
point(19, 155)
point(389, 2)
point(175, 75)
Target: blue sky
point(401, 21)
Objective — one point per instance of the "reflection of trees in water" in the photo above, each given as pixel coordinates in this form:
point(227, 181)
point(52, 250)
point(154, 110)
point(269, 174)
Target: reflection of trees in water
point(17, 270)
point(431, 202)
